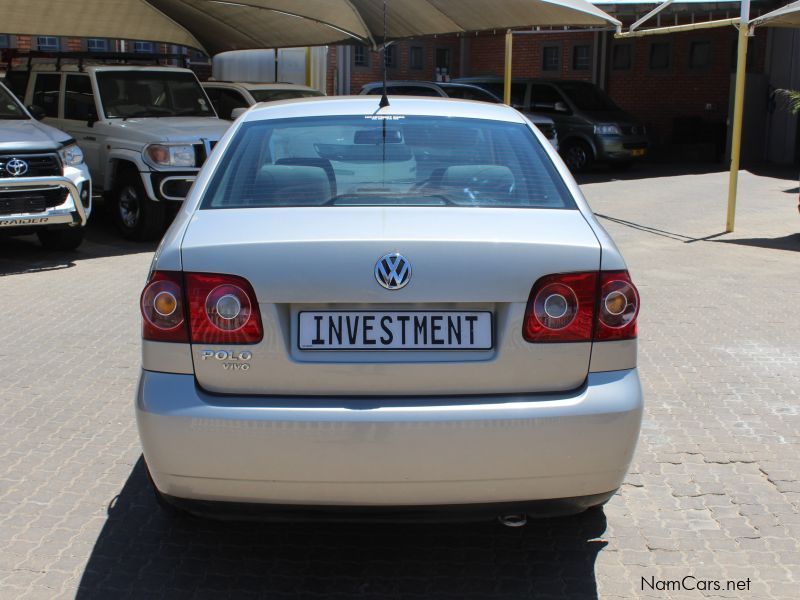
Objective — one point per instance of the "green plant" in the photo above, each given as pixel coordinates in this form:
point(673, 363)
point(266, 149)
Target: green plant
point(792, 98)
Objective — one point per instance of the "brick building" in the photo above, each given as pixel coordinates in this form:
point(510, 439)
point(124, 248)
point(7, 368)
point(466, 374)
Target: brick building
point(678, 84)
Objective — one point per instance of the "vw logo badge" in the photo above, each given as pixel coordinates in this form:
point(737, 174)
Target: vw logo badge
point(16, 167)
point(393, 271)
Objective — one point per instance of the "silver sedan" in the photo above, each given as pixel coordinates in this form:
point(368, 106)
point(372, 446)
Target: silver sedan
point(381, 310)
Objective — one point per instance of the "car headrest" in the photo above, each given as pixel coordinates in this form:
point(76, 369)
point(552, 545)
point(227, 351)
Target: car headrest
point(292, 184)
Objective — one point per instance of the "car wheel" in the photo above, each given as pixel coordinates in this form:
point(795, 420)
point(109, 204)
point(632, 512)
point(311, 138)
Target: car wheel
point(578, 156)
point(61, 239)
point(137, 217)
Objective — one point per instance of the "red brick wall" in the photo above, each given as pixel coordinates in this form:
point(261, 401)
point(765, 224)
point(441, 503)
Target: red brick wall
point(363, 75)
point(487, 54)
point(659, 97)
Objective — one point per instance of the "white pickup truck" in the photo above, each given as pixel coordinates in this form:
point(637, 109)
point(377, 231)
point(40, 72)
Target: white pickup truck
point(44, 183)
point(145, 131)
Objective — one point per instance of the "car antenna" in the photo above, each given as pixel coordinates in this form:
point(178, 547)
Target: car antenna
point(384, 98)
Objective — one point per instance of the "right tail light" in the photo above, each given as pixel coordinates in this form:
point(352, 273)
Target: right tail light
point(581, 307)
point(203, 308)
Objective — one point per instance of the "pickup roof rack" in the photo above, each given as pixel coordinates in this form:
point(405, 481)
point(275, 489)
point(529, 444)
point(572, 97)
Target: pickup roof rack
point(10, 56)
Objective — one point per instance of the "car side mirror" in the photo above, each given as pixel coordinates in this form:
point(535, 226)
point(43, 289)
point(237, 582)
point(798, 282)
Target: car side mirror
point(92, 119)
point(560, 107)
point(238, 112)
point(37, 112)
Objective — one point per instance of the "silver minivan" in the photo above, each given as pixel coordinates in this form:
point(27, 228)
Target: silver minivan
point(591, 127)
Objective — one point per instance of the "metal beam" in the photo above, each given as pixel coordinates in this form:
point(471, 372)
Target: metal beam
point(635, 25)
point(677, 28)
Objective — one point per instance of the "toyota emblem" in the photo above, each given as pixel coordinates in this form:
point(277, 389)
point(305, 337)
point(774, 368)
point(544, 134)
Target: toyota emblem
point(16, 167)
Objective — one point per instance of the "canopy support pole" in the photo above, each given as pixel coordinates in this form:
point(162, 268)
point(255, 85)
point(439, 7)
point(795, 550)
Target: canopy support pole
point(308, 66)
point(738, 111)
point(507, 78)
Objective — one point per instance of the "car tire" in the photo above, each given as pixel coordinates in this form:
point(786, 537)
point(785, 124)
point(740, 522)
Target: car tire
point(61, 239)
point(578, 155)
point(136, 216)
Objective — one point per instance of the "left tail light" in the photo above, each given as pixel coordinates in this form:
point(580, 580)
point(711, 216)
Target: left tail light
point(163, 310)
point(202, 308)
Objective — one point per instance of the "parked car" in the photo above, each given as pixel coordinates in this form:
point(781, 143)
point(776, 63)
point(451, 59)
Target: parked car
point(44, 183)
point(463, 91)
point(145, 131)
point(401, 309)
point(591, 127)
point(227, 96)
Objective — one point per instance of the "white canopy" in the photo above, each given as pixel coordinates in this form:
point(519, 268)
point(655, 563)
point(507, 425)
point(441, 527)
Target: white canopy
point(788, 16)
point(221, 25)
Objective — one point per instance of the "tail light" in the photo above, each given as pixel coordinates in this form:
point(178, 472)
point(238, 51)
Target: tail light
point(581, 307)
point(222, 309)
point(561, 308)
point(163, 311)
point(618, 307)
point(201, 308)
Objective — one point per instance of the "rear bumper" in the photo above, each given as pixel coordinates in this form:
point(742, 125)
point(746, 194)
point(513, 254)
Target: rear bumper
point(388, 452)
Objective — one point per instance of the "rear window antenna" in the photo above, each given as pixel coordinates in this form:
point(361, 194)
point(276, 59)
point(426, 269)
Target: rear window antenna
point(384, 98)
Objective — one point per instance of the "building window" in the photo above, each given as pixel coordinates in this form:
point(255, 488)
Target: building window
point(97, 45)
point(581, 57)
point(699, 55)
point(416, 58)
point(390, 55)
point(4, 40)
point(360, 56)
point(621, 57)
point(659, 56)
point(47, 43)
point(145, 47)
point(551, 58)
point(443, 59)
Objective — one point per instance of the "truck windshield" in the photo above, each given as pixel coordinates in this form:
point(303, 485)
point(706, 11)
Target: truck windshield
point(9, 107)
point(394, 161)
point(128, 94)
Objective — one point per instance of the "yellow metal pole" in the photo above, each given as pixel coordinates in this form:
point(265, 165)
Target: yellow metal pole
point(738, 110)
point(308, 66)
point(507, 80)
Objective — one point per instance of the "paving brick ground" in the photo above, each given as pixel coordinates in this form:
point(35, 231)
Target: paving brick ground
point(714, 491)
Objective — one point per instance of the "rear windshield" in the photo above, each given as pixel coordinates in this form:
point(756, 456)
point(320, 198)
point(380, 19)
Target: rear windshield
point(400, 161)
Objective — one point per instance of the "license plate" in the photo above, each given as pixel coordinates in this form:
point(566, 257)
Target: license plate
point(639, 152)
point(395, 330)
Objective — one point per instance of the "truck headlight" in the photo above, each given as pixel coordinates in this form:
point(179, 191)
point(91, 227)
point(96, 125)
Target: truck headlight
point(163, 155)
point(71, 155)
point(607, 129)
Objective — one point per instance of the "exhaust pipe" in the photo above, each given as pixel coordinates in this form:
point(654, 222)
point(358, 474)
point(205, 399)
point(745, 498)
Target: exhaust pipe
point(519, 520)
